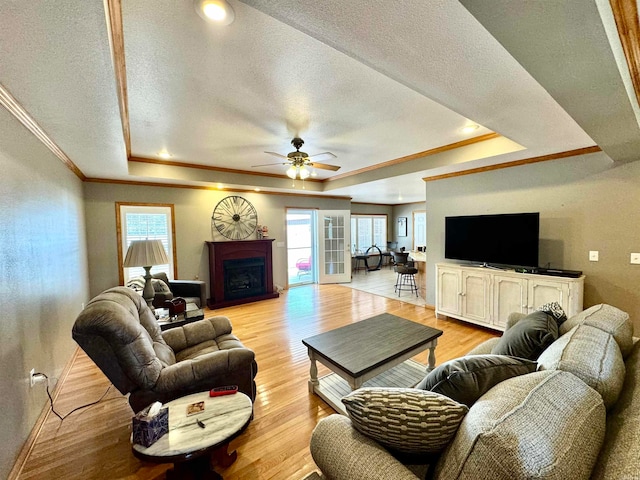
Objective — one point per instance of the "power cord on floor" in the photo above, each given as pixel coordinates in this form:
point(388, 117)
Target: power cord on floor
point(75, 409)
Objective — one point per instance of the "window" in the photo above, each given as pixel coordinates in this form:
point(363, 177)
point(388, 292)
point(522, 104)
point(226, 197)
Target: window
point(140, 222)
point(419, 229)
point(368, 230)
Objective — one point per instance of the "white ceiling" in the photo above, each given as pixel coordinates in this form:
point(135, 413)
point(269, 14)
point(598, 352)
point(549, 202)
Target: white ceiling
point(370, 81)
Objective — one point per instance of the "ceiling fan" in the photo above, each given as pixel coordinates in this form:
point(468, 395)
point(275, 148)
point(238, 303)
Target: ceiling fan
point(299, 162)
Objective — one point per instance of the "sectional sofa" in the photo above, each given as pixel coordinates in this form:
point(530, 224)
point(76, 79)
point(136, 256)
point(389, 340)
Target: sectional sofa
point(577, 416)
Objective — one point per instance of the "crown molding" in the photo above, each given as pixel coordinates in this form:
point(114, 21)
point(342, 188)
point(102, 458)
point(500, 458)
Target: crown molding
point(170, 163)
point(517, 163)
point(113, 13)
point(625, 14)
point(18, 111)
point(414, 156)
point(206, 187)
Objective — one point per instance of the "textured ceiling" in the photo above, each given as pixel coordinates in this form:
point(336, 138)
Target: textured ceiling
point(370, 81)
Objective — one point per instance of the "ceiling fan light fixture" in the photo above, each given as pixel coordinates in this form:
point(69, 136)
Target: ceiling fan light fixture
point(304, 172)
point(215, 11)
point(292, 172)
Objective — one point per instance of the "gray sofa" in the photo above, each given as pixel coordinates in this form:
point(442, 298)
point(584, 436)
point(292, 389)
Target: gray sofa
point(121, 335)
point(576, 417)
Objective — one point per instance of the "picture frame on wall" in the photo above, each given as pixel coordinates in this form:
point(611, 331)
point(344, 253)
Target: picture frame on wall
point(402, 226)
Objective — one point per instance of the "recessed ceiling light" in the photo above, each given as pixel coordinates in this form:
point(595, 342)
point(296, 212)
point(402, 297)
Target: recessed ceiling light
point(257, 189)
point(164, 154)
point(470, 128)
point(215, 11)
point(220, 186)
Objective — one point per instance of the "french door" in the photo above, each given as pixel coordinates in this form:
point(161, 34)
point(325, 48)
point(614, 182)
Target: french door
point(334, 253)
point(301, 240)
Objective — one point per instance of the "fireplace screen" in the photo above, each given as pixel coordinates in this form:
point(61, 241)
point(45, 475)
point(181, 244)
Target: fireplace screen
point(244, 278)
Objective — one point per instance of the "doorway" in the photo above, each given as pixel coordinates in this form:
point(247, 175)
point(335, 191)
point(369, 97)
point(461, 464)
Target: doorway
point(301, 255)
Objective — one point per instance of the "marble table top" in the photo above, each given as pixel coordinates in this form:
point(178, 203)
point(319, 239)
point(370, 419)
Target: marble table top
point(223, 417)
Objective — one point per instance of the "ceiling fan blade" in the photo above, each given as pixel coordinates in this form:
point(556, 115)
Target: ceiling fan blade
point(324, 166)
point(277, 155)
point(327, 155)
point(268, 164)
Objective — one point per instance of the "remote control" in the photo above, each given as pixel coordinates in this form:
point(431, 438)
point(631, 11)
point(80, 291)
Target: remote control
point(227, 390)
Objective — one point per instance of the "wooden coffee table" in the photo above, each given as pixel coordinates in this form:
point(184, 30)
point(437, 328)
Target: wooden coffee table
point(193, 449)
point(371, 352)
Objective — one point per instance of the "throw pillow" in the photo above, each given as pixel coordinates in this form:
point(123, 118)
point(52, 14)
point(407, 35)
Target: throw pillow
point(468, 378)
point(406, 420)
point(555, 310)
point(136, 284)
point(529, 337)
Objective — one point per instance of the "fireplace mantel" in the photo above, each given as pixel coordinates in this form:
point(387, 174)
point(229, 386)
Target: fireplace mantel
point(231, 251)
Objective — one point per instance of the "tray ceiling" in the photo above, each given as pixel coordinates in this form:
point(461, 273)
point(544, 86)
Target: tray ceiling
point(386, 88)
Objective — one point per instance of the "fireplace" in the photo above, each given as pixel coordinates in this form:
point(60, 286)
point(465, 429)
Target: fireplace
point(240, 272)
point(243, 278)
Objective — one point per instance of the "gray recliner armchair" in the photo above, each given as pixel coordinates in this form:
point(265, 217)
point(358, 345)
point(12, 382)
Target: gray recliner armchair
point(121, 335)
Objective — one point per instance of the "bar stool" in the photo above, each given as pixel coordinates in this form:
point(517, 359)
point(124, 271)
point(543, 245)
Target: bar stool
point(400, 258)
point(406, 280)
point(361, 259)
point(388, 253)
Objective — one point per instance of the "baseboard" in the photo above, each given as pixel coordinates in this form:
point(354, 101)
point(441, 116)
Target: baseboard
point(37, 427)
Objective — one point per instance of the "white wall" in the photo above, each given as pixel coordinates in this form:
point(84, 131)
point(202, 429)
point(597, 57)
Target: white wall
point(44, 277)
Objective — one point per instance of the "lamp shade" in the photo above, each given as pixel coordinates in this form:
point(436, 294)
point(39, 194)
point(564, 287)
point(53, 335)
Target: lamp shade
point(145, 253)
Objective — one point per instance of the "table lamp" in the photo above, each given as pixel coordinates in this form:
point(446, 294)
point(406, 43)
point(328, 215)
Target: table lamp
point(146, 253)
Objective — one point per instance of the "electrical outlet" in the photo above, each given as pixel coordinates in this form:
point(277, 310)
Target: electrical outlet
point(635, 258)
point(35, 378)
point(593, 255)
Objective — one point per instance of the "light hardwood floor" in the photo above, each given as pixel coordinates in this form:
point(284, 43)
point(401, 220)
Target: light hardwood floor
point(94, 443)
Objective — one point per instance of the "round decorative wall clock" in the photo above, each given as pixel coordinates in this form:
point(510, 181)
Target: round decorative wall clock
point(234, 218)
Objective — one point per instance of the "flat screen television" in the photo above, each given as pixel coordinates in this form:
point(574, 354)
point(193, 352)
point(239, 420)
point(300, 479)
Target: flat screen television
point(504, 239)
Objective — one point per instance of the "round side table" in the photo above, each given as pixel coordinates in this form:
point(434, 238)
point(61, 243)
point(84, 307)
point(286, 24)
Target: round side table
point(193, 449)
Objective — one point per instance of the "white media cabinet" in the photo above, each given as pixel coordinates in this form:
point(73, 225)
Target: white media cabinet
point(486, 297)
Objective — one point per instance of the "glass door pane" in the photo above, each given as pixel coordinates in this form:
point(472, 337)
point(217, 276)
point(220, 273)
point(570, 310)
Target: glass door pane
point(334, 256)
point(300, 252)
